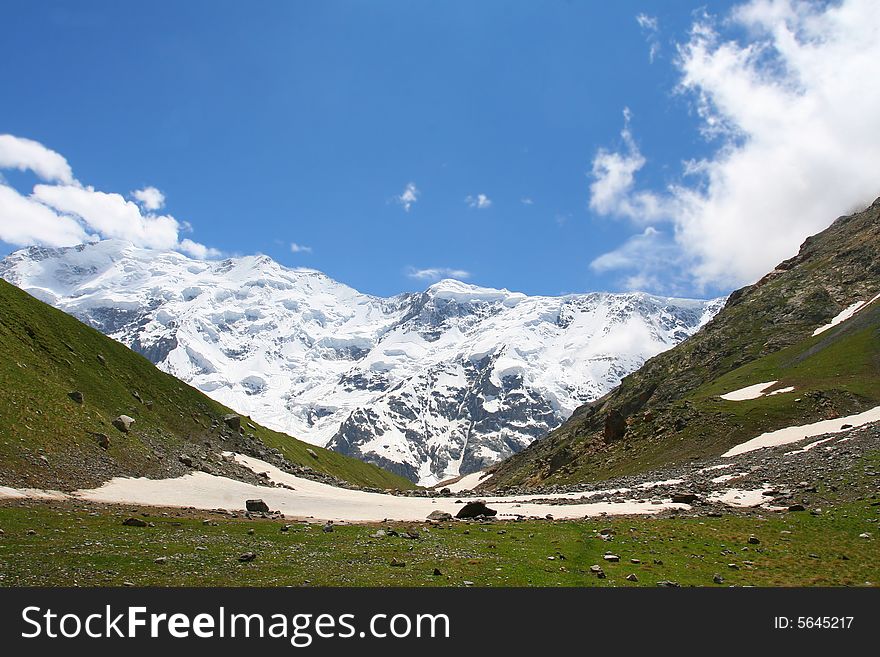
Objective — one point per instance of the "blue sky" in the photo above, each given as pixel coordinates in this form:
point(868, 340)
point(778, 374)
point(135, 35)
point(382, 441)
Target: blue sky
point(304, 122)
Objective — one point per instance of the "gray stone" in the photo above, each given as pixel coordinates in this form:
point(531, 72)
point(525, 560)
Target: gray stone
point(123, 423)
point(257, 506)
point(475, 509)
point(134, 522)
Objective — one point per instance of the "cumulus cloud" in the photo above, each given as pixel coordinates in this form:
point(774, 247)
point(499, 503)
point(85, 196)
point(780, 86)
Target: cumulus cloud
point(299, 248)
point(30, 155)
point(794, 125)
point(409, 197)
point(436, 273)
point(24, 221)
point(480, 201)
point(150, 198)
point(60, 211)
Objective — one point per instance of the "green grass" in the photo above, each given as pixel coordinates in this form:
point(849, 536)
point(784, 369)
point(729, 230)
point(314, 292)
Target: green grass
point(84, 545)
point(45, 353)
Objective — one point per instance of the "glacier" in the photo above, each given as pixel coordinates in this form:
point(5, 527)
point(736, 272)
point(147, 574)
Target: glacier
point(432, 385)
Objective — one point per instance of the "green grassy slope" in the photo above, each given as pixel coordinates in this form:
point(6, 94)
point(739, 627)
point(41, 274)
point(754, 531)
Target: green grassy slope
point(47, 439)
point(670, 407)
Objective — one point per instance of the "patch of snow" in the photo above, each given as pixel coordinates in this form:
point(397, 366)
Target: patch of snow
point(845, 314)
point(796, 433)
point(749, 392)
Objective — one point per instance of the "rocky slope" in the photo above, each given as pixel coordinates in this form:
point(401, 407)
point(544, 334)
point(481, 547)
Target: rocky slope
point(429, 385)
point(672, 410)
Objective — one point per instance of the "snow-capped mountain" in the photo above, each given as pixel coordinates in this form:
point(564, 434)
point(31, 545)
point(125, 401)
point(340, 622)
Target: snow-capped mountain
point(430, 385)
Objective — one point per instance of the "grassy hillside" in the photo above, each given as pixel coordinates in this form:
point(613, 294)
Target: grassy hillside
point(48, 439)
point(670, 411)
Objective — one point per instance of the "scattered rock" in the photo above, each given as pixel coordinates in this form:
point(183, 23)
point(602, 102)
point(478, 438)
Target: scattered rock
point(632, 577)
point(250, 531)
point(754, 540)
point(247, 556)
point(102, 360)
point(76, 396)
point(439, 515)
point(668, 583)
point(611, 558)
point(397, 564)
point(102, 439)
point(311, 452)
point(123, 423)
point(475, 509)
point(437, 572)
point(797, 507)
point(684, 498)
point(256, 506)
point(134, 522)
point(232, 421)
point(718, 579)
point(615, 426)
point(328, 527)
point(161, 560)
point(186, 460)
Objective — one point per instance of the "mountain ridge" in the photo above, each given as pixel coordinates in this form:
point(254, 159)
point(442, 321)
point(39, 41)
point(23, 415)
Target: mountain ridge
point(671, 409)
point(430, 384)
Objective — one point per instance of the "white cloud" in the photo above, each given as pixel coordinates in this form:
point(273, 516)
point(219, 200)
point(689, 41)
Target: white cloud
point(24, 221)
point(527, 200)
point(651, 29)
point(28, 155)
point(299, 248)
point(198, 251)
point(409, 197)
point(150, 198)
point(436, 273)
point(480, 201)
point(613, 172)
point(796, 121)
point(67, 213)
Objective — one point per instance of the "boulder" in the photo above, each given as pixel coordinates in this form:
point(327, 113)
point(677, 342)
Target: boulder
point(439, 515)
point(475, 509)
point(76, 396)
point(247, 556)
point(123, 423)
point(615, 426)
point(102, 439)
point(134, 522)
point(257, 506)
point(232, 421)
point(311, 452)
point(684, 498)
